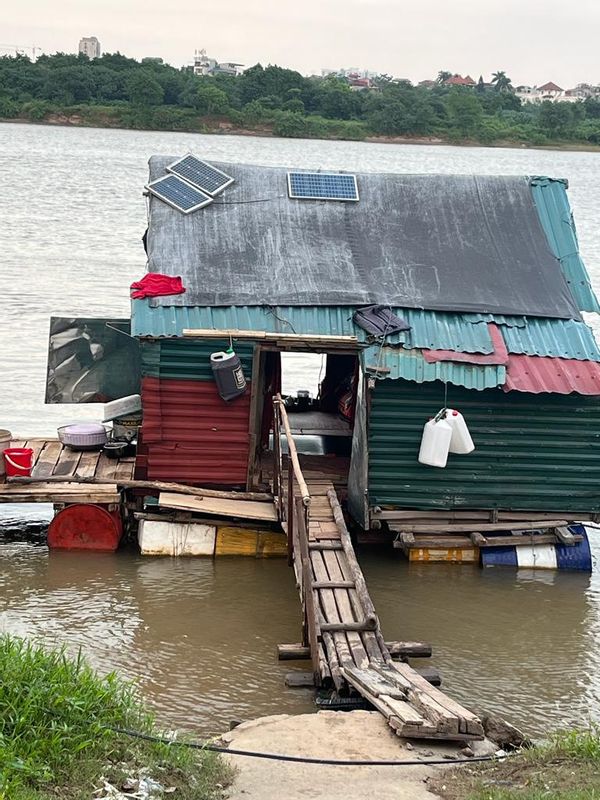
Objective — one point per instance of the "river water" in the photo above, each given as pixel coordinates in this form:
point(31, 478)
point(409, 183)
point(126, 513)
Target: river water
point(198, 635)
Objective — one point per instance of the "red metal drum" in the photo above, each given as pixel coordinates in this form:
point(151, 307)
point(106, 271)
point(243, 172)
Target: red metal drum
point(84, 526)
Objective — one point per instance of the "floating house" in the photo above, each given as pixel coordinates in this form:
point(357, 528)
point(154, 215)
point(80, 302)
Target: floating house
point(484, 272)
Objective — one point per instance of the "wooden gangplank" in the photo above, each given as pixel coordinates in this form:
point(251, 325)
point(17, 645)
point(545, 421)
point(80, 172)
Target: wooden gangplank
point(341, 626)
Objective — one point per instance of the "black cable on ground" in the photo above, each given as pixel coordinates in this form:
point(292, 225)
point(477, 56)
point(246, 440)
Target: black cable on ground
point(213, 748)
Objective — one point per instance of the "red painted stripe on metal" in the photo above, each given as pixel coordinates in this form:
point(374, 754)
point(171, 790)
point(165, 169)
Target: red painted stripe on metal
point(498, 357)
point(192, 435)
point(536, 374)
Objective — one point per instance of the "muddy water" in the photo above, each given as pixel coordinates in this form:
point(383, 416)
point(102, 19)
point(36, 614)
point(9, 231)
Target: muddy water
point(200, 636)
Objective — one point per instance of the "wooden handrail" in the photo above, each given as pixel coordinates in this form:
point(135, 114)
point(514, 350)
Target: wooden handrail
point(293, 453)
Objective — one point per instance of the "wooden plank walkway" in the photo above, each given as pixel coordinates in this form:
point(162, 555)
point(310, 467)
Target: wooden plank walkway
point(345, 636)
point(53, 460)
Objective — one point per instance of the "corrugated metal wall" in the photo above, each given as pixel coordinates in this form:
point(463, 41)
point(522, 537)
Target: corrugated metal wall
point(537, 452)
point(189, 433)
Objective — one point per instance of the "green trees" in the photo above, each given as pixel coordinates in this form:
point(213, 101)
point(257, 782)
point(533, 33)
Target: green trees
point(117, 90)
point(501, 81)
point(465, 111)
point(143, 89)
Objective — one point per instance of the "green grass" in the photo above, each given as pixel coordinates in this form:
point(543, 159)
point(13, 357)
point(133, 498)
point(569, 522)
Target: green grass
point(55, 737)
point(566, 767)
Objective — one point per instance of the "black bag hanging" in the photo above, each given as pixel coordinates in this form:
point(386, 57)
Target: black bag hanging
point(379, 321)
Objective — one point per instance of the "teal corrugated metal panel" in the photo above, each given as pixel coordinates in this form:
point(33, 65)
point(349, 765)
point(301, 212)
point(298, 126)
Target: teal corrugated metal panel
point(188, 359)
point(429, 329)
point(552, 204)
point(499, 319)
point(531, 452)
point(553, 337)
point(411, 366)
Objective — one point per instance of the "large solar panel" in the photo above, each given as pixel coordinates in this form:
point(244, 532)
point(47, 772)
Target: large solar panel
point(210, 179)
point(179, 194)
point(322, 186)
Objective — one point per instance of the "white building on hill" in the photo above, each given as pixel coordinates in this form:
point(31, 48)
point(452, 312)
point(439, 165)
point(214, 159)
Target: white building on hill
point(90, 46)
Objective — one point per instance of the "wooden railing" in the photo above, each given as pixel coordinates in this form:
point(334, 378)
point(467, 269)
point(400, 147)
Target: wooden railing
point(293, 502)
point(284, 484)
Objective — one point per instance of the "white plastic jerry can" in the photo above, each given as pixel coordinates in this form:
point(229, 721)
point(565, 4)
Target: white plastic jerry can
point(435, 444)
point(461, 442)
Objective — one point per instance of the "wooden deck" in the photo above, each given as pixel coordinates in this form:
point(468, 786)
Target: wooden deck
point(52, 461)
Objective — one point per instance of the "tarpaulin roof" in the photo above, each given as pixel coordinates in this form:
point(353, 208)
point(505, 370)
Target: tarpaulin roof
point(439, 242)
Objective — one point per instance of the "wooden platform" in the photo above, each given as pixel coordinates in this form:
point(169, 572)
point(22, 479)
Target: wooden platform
point(53, 460)
point(344, 628)
point(318, 423)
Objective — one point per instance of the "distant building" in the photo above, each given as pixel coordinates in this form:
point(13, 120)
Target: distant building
point(458, 80)
point(90, 46)
point(204, 65)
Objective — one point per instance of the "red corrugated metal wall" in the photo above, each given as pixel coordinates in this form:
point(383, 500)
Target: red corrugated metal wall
point(191, 435)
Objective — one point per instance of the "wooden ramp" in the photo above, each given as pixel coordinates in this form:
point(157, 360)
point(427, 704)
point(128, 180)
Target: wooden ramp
point(341, 626)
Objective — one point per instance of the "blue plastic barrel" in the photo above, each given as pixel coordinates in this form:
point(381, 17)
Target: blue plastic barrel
point(577, 556)
point(499, 556)
point(568, 557)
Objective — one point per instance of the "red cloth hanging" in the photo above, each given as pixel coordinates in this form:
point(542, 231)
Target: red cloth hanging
point(153, 284)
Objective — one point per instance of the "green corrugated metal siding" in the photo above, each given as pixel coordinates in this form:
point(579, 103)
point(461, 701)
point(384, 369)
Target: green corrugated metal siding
point(560, 338)
point(552, 204)
point(188, 359)
point(539, 453)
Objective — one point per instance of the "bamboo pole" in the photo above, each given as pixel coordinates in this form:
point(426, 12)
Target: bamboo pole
point(211, 333)
point(293, 453)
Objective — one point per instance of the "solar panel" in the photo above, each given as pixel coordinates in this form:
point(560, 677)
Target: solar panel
point(210, 179)
point(322, 186)
point(179, 194)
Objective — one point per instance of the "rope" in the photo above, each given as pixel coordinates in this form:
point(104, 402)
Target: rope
point(341, 762)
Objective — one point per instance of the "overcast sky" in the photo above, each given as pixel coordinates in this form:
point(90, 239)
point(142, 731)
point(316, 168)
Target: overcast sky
point(532, 40)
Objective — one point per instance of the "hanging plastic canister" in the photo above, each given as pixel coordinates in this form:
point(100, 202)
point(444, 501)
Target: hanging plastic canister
point(461, 442)
point(229, 375)
point(435, 444)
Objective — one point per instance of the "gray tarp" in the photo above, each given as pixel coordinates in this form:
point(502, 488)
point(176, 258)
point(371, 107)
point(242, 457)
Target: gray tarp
point(440, 242)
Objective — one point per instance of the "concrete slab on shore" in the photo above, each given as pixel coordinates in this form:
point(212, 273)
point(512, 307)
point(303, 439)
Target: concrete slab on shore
point(361, 735)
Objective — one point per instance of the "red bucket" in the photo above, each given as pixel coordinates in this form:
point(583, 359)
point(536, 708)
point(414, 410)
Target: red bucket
point(18, 461)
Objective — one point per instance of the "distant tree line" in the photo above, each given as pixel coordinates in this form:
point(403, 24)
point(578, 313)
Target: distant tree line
point(120, 91)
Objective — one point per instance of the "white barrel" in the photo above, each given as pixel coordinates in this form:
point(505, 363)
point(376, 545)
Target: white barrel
point(461, 442)
point(435, 444)
point(5, 440)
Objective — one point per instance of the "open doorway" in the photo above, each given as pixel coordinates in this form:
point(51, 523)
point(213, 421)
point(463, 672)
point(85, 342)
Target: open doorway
point(320, 397)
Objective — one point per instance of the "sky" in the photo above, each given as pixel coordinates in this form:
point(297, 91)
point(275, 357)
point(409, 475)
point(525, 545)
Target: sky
point(534, 41)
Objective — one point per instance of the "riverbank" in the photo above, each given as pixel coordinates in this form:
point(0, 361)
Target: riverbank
point(567, 767)
point(340, 130)
point(59, 739)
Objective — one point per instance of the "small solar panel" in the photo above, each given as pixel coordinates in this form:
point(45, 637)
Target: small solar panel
point(322, 186)
point(210, 179)
point(179, 194)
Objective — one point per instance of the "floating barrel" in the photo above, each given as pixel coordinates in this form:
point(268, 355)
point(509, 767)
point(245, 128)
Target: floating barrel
point(542, 556)
point(84, 526)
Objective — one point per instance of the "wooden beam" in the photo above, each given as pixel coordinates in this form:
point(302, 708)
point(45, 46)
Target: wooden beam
point(158, 486)
point(235, 333)
point(492, 526)
point(300, 652)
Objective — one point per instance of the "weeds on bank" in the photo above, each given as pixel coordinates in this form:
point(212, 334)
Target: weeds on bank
point(567, 767)
point(55, 737)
